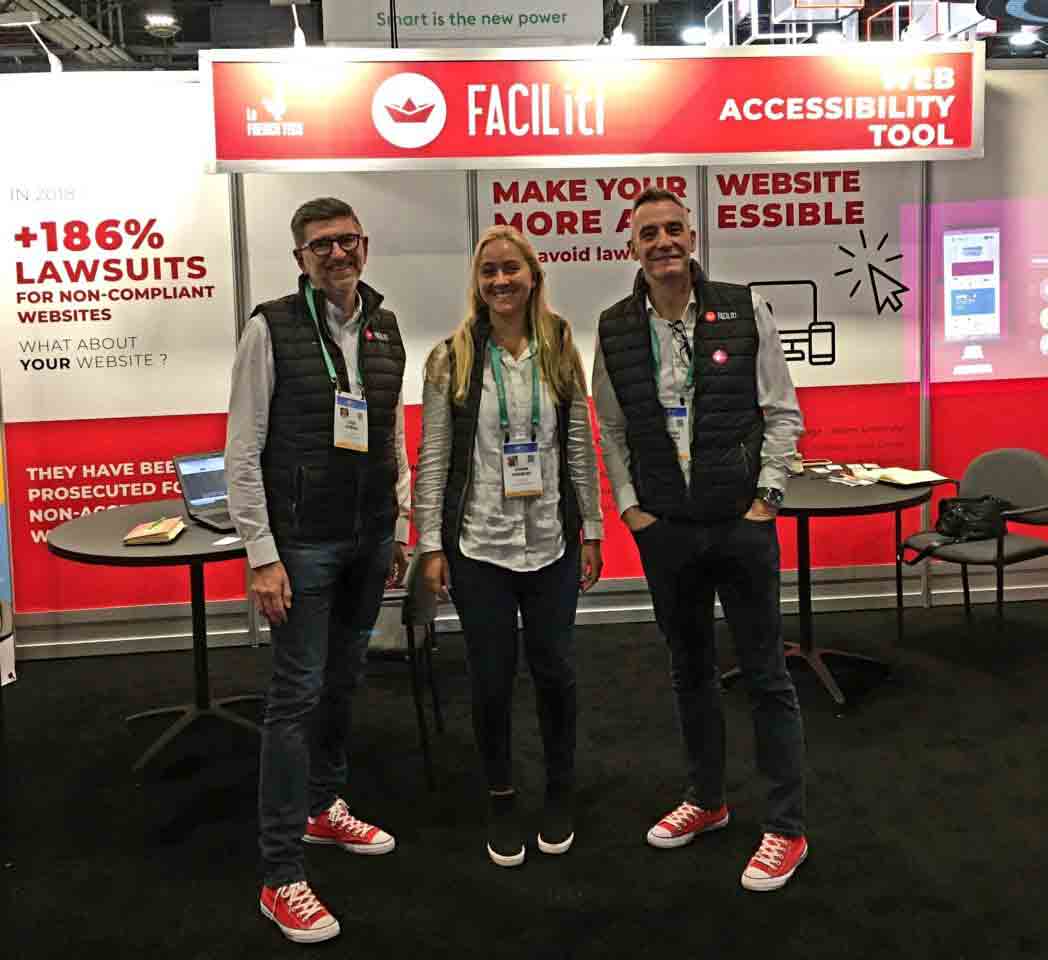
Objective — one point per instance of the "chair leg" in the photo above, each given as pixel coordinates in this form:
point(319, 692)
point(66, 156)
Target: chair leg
point(898, 596)
point(420, 714)
point(967, 591)
point(438, 713)
point(1000, 595)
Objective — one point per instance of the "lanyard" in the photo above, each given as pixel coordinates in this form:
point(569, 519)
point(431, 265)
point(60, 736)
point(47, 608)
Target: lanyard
point(323, 347)
point(656, 353)
point(500, 389)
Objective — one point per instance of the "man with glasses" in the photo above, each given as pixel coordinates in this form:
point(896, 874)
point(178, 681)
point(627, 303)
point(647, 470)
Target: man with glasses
point(698, 417)
point(318, 479)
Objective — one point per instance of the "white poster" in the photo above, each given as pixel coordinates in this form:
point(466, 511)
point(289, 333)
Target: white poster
point(579, 222)
point(465, 23)
point(116, 294)
point(834, 250)
point(418, 256)
point(7, 622)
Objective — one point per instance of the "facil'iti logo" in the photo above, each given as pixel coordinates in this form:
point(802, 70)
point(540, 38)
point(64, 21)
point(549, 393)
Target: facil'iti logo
point(409, 110)
point(276, 125)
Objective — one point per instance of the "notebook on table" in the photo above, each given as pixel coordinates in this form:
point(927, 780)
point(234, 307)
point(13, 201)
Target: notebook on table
point(202, 477)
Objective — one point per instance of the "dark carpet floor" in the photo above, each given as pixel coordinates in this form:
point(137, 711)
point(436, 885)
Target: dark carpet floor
point(927, 804)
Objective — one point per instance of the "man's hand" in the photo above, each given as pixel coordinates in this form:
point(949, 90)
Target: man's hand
point(433, 568)
point(637, 519)
point(398, 566)
point(270, 591)
point(592, 563)
point(761, 511)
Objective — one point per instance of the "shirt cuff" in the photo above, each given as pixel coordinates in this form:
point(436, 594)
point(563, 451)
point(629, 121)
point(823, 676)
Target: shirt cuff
point(262, 551)
point(402, 531)
point(626, 497)
point(774, 476)
point(592, 530)
point(429, 543)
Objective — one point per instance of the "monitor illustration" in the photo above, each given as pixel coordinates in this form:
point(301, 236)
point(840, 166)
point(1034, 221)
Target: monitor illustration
point(795, 304)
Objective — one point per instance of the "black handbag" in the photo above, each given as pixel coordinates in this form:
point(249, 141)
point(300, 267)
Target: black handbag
point(962, 519)
point(971, 518)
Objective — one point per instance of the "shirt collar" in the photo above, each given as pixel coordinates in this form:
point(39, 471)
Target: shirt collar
point(336, 316)
point(689, 310)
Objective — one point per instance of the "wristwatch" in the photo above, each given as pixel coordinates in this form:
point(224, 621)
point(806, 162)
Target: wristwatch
point(772, 496)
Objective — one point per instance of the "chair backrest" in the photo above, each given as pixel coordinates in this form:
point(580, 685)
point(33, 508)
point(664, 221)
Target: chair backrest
point(1018, 476)
point(420, 603)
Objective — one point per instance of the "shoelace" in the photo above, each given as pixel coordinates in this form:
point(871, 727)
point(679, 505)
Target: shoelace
point(301, 900)
point(772, 850)
point(340, 816)
point(683, 815)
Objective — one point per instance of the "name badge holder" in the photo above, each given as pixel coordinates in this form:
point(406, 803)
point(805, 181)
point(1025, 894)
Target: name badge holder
point(350, 419)
point(678, 418)
point(521, 463)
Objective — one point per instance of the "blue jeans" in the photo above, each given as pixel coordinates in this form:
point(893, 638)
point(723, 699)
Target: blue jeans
point(318, 662)
point(685, 563)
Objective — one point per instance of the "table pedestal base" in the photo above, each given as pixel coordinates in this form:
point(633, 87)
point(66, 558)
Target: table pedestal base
point(191, 713)
point(813, 657)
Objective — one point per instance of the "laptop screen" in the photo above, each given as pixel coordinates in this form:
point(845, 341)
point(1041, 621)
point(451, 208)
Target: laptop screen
point(203, 479)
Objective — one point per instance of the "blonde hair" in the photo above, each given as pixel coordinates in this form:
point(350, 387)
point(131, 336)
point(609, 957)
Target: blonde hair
point(558, 358)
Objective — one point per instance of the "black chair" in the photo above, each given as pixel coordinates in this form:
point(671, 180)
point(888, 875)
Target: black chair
point(418, 611)
point(1018, 477)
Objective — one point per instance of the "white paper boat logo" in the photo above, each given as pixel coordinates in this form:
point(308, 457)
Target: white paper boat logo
point(408, 112)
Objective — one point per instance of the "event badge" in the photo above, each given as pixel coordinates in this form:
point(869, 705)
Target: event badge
point(351, 422)
point(678, 423)
point(521, 468)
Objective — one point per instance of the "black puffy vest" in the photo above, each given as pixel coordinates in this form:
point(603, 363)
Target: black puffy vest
point(464, 437)
point(727, 422)
point(315, 490)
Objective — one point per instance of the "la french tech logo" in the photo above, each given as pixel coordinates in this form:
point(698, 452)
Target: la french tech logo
point(409, 110)
point(272, 122)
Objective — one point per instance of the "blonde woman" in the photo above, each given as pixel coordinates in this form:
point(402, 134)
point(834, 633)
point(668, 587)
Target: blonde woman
point(506, 488)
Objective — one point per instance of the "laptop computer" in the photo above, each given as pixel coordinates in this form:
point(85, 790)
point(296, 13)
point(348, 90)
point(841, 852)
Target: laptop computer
point(202, 477)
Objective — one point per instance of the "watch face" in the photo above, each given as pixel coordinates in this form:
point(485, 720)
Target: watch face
point(771, 496)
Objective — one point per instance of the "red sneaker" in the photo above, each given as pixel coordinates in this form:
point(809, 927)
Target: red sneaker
point(683, 824)
point(338, 825)
point(299, 914)
point(774, 862)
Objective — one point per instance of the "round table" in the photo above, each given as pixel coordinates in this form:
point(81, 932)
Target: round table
point(98, 539)
point(812, 495)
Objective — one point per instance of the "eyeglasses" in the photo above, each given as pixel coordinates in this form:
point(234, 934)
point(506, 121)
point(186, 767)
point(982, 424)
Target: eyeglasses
point(325, 246)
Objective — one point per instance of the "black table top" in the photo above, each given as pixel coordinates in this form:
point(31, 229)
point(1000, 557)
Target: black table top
point(811, 494)
point(98, 538)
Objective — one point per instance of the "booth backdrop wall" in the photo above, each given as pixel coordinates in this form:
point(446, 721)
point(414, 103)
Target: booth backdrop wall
point(105, 410)
point(117, 299)
point(1007, 192)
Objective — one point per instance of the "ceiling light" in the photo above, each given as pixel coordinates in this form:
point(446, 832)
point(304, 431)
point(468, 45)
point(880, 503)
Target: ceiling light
point(162, 25)
point(694, 34)
point(620, 39)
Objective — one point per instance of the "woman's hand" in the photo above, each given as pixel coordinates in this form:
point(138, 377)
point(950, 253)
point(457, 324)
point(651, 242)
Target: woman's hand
point(433, 568)
point(591, 564)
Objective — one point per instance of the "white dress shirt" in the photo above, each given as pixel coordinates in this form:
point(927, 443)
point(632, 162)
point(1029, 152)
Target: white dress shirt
point(253, 382)
point(518, 533)
point(783, 422)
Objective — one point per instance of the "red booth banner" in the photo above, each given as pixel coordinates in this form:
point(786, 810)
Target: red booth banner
point(352, 109)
